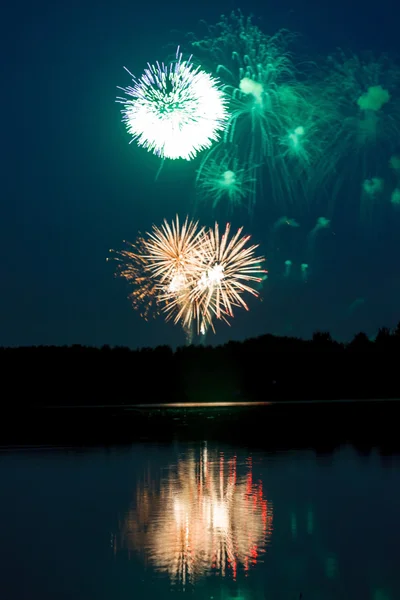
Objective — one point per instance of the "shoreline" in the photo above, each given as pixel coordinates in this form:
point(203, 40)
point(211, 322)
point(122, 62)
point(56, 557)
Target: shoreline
point(277, 425)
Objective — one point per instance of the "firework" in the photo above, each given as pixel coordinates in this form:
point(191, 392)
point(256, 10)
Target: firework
point(172, 254)
point(228, 267)
point(223, 178)
point(174, 259)
point(192, 274)
point(132, 266)
point(363, 133)
point(174, 110)
point(265, 87)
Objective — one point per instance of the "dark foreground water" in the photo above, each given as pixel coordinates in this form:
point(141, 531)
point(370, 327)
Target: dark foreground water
point(200, 519)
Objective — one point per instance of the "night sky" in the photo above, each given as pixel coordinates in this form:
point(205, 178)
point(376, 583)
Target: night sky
point(73, 187)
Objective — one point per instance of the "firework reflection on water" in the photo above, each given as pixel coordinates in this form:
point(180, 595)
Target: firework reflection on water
point(208, 515)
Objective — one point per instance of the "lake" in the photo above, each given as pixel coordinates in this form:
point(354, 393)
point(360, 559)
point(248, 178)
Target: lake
point(199, 519)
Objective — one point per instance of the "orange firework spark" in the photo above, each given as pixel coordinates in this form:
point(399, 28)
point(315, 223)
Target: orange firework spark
point(132, 266)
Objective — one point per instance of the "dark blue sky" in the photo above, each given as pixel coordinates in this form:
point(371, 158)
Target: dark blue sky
point(73, 187)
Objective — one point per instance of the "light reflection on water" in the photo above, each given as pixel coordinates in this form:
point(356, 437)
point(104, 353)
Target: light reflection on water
point(204, 516)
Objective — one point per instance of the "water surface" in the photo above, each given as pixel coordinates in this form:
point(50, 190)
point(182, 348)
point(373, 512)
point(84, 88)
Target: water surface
point(202, 520)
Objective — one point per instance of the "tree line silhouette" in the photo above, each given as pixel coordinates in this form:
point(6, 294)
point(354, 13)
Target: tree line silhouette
point(266, 368)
